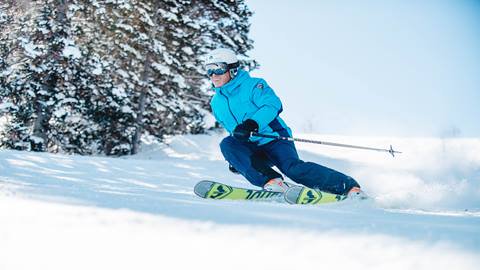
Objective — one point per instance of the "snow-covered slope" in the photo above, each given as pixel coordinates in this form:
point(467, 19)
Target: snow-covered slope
point(74, 212)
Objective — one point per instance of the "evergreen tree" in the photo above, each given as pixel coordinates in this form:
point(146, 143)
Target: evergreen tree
point(168, 89)
point(5, 45)
point(14, 133)
point(33, 83)
point(41, 85)
point(95, 76)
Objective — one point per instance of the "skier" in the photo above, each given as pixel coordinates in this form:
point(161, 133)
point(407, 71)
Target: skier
point(243, 105)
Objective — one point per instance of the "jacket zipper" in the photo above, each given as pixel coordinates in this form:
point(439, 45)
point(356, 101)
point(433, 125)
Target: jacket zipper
point(230, 109)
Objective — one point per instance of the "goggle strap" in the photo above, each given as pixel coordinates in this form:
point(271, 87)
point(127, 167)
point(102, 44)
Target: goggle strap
point(233, 65)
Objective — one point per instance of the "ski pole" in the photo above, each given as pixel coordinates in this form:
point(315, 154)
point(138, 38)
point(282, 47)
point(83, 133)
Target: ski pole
point(391, 151)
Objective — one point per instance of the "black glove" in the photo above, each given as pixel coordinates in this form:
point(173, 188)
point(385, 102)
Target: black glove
point(243, 131)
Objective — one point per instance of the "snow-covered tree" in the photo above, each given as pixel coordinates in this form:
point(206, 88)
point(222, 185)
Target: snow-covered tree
point(41, 82)
point(33, 82)
point(156, 49)
point(91, 76)
point(13, 134)
point(5, 45)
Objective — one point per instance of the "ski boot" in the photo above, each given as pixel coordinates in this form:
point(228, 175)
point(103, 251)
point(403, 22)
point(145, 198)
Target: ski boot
point(276, 185)
point(357, 193)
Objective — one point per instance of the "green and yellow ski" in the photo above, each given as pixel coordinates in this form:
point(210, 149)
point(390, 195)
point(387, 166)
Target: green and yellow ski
point(305, 195)
point(219, 191)
point(294, 195)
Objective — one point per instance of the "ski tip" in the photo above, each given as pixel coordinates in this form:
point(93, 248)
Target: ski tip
point(202, 188)
point(292, 194)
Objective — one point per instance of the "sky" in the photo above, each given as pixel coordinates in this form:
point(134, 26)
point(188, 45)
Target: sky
point(366, 68)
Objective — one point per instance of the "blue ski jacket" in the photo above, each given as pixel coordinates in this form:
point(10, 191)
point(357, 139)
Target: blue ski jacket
point(245, 98)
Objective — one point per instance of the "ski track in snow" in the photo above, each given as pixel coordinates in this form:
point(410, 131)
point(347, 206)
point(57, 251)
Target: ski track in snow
point(140, 212)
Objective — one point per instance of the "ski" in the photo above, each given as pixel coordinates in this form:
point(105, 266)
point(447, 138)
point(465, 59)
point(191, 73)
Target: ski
point(218, 191)
point(294, 195)
point(305, 195)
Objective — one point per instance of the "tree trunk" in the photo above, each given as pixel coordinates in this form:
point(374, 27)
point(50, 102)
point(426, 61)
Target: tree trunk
point(38, 128)
point(144, 89)
point(139, 119)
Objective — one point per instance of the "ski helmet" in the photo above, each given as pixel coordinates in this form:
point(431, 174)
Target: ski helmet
point(226, 56)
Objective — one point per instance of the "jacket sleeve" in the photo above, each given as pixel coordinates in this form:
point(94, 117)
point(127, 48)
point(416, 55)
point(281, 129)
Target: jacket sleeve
point(269, 105)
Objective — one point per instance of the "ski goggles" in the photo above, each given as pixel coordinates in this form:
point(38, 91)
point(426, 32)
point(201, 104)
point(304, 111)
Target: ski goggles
point(216, 68)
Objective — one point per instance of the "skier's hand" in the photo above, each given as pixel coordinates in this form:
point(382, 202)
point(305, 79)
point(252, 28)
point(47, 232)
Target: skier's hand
point(243, 131)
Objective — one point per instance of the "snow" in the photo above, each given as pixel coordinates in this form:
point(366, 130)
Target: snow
point(31, 49)
point(98, 69)
point(163, 69)
point(180, 81)
point(168, 15)
point(445, 169)
point(78, 212)
point(36, 139)
point(145, 17)
point(3, 124)
point(126, 109)
point(31, 93)
point(123, 73)
point(157, 91)
point(129, 49)
point(126, 27)
point(188, 50)
point(60, 112)
point(71, 50)
point(119, 91)
point(6, 105)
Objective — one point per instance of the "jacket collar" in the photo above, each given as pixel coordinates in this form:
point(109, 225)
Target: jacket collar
point(228, 88)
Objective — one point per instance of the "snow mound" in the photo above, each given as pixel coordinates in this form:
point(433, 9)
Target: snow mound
point(141, 212)
point(430, 174)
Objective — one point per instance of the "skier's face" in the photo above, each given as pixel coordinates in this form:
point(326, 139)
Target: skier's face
point(220, 80)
